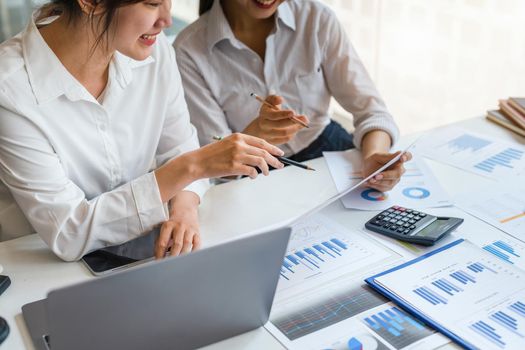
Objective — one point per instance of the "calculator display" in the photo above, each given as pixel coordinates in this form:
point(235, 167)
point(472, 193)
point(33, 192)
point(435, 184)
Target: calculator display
point(435, 228)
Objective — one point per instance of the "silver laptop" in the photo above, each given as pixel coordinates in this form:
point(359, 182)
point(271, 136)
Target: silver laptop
point(176, 303)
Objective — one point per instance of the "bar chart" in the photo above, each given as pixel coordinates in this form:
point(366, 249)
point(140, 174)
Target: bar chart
point(397, 327)
point(313, 257)
point(504, 328)
point(466, 142)
point(478, 153)
point(505, 158)
point(503, 250)
point(320, 248)
point(455, 283)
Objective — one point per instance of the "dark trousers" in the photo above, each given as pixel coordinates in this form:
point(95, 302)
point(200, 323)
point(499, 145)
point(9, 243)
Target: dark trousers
point(333, 138)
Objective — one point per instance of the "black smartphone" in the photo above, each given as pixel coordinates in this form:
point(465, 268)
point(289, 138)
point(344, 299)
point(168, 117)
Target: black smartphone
point(4, 327)
point(4, 330)
point(4, 283)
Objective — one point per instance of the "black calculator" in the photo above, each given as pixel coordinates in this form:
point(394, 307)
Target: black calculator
point(411, 225)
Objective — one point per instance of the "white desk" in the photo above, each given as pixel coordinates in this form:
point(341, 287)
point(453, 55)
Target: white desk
point(227, 210)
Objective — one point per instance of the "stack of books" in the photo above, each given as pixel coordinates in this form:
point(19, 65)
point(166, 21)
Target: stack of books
point(510, 115)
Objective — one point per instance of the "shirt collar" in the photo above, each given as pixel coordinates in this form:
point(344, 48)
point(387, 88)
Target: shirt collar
point(219, 29)
point(285, 14)
point(49, 79)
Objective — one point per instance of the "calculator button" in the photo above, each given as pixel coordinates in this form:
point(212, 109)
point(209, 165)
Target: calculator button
point(403, 214)
point(410, 216)
point(412, 227)
point(422, 215)
point(407, 231)
point(415, 212)
point(397, 217)
point(387, 225)
point(400, 222)
point(379, 217)
point(405, 219)
point(394, 227)
point(412, 221)
point(406, 224)
point(409, 210)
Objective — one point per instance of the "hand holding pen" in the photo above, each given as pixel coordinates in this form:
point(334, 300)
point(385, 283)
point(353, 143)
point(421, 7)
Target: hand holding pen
point(273, 124)
point(282, 159)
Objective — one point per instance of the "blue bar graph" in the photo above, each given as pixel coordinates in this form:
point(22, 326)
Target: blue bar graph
point(479, 267)
point(463, 277)
point(397, 327)
point(506, 321)
point(502, 250)
point(430, 296)
point(447, 286)
point(488, 332)
point(504, 159)
point(314, 256)
point(519, 308)
point(466, 142)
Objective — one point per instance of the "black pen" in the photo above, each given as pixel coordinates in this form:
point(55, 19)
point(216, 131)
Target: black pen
point(281, 159)
point(293, 162)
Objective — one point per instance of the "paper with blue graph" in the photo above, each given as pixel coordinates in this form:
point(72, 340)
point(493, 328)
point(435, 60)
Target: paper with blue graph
point(466, 292)
point(321, 250)
point(322, 303)
point(474, 152)
point(502, 206)
point(417, 188)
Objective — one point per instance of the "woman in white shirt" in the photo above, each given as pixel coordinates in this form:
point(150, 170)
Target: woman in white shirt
point(297, 50)
point(95, 137)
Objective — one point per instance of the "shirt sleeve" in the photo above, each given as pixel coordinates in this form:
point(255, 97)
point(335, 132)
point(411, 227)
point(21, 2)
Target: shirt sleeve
point(206, 114)
point(350, 84)
point(69, 223)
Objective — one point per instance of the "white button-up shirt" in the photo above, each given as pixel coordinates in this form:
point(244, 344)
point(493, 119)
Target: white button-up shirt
point(308, 60)
point(79, 170)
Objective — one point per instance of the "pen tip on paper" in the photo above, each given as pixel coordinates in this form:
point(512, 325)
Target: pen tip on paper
point(252, 94)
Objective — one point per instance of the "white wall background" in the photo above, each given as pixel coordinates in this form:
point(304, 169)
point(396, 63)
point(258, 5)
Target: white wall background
point(434, 61)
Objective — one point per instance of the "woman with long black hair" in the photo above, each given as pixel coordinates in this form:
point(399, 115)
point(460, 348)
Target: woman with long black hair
point(96, 146)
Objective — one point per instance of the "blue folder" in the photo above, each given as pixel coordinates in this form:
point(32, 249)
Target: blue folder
point(449, 333)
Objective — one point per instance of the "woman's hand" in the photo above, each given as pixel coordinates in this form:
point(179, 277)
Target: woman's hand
point(180, 234)
point(273, 124)
point(237, 154)
point(387, 179)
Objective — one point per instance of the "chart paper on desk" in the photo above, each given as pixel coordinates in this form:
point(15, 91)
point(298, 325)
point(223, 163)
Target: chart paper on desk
point(417, 188)
point(322, 304)
point(480, 298)
point(474, 152)
point(321, 250)
point(502, 206)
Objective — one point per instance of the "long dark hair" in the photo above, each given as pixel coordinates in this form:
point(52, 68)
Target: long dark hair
point(72, 10)
point(204, 6)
